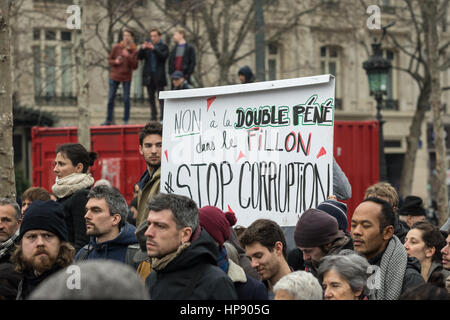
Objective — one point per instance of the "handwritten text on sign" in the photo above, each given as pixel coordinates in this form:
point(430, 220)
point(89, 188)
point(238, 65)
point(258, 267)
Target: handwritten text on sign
point(264, 154)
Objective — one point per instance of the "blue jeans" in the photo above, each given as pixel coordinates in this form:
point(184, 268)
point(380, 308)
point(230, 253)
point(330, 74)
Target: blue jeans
point(113, 85)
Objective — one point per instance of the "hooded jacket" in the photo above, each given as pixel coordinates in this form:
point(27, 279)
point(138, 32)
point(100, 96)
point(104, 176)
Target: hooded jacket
point(198, 260)
point(115, 249)
point(247, 73)
point(148, 188)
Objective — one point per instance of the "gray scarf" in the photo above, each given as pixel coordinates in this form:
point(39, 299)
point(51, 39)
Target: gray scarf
point(392, 271)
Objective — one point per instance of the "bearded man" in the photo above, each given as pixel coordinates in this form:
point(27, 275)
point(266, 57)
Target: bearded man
point(43, 248)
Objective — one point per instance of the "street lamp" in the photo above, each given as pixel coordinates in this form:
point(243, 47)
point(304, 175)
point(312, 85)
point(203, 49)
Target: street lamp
point(377, 68)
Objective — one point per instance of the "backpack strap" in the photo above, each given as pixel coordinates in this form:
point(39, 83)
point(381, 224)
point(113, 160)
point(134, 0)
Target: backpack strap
point(131, 251)
point(84, 253)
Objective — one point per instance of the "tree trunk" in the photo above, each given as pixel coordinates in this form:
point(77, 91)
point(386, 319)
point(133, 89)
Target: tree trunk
point(7, 178)
point(84, 121)
point(429, 12)
point(412, 141)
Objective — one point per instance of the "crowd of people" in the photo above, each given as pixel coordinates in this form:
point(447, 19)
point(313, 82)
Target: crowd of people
point(82, 240)
point(181, 61)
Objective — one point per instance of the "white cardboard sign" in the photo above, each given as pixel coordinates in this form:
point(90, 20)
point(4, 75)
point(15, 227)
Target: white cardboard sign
point(261, 150)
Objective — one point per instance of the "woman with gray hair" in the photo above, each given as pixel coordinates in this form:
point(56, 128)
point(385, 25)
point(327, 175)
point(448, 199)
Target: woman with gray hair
point(298, 285)
point(344, 276)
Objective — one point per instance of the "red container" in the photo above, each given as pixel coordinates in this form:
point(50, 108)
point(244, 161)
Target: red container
point(117, 147)
point(355, 150)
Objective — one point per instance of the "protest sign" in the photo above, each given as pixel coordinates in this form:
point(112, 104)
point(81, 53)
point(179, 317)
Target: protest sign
point(261, 150)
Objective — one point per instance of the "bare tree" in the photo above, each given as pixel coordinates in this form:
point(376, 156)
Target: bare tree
point(222, 30)
point(7, 178)
point(429, 10)
point(82, 81)
point(412, 45)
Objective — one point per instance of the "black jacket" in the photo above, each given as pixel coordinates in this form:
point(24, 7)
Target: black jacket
point(74, 211)
point(188, 61)
point(31, 281)
point(161, 52)
point(199, 260)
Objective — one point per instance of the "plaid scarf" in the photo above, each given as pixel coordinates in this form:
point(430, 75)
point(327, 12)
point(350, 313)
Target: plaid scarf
point(8, 244)
point(392, 271)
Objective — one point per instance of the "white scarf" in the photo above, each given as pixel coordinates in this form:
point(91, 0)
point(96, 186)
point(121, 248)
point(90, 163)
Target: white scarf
point(72, 183)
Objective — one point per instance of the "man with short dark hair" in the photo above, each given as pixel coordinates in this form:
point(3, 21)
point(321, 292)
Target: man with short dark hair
point(154, 53)
point(372, 229)
point(265, 245)
point(10, 219)
point(111, 236)
point(182, 57)
point(183, 256)
point(43, 248)
point(150, 144)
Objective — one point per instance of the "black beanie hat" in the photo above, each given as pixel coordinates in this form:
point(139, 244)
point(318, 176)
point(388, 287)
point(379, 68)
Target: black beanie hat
point(316, 228)
point(44, 215)
point(412, 206)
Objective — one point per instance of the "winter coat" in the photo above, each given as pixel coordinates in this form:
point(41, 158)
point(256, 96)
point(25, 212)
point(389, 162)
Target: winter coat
point(122, 72)
point(161, 52)
point(401, 229)
point(115, 249)
point(31, 281)
point(74, 211)
point(195, 266)
point(184, 85)
point(247, 73)
point(188, 61)
point(247, 288)
point(148, 188)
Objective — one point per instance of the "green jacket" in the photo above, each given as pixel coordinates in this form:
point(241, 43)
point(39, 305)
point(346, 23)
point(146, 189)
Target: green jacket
point(148, 188)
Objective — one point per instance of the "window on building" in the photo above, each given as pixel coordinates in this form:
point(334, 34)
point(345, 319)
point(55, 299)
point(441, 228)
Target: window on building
point(330, 64)
point(273, 60)
point(53, 67)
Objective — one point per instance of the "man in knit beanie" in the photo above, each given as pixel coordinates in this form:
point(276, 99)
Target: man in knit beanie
point(43, 247)
point(317, 234)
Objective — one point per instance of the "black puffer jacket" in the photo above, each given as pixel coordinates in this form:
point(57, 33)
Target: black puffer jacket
point(199, 259)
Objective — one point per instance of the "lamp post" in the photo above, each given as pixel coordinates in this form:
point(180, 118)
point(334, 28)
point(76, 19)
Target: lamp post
point(377, 68)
